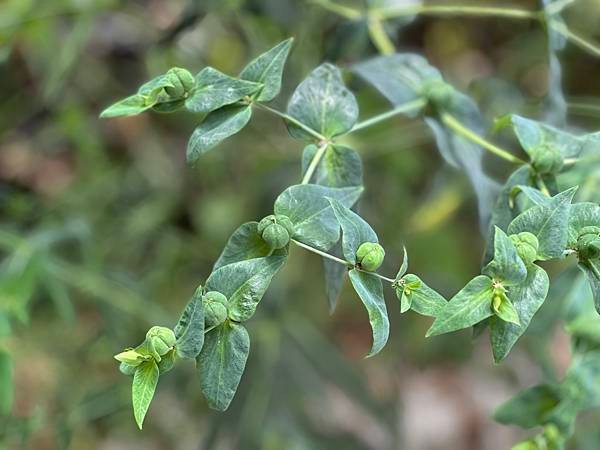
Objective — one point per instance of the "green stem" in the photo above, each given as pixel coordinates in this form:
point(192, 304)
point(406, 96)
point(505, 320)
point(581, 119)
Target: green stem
point(314, 162)
point(453, 10)
point(379, 37)
point(339, 260)
point(290, 119)
point(340, 10)
point(575, 38)
point(462, 130)
point(401, 109)
point(594, 269)
point(542, 185)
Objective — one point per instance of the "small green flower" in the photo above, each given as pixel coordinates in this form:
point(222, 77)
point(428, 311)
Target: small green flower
point(527, 246)
point(547, 160)
point(369, 256)
point(130, 357)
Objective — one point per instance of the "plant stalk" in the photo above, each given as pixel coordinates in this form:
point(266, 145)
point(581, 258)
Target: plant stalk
point(454, 10)
point(401, 109)
point(314, 163)
point(290, 119)
point(379, 37)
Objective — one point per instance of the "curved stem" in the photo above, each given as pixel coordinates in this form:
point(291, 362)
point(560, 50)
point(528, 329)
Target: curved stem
point(379, 37)
point(290, 119)
point(314, 162)
point(401, 109)
point(575, 38)
point(462, 130)
point(340, 10)
point(453, 10)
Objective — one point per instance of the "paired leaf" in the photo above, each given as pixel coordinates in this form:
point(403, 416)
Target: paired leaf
point(148, 95)
point(216, 127)
point(214, 89)
point(7, 387)
point(354, 228)
point(189, 331)
point(549, 224)
point(309, 210)
point(370, 290)
point(527, 298)
point(419, 297)
point(340, 166)
point(145, 380)
point(244, 284)
point(267, 69)
point(221, 363)
point(507, 266)
point(591, 269)
point(323, 103)
point(469, 306)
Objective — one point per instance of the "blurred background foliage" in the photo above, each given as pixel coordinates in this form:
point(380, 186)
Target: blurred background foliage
point(105, 231)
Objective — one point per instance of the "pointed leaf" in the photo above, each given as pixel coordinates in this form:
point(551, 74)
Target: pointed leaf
point(7, 388)
point(323, 103)
point(335, 275)
point(216, 127)
point(591, 269)
point(221, 363)
point(370, 290)
point(404, 266)
point(145, 380)
point(507, 312)
point(268, 70)
point(529, 408)
point(355, 230)
point(244, 284)
point(421, 299)
point(583, 214)
point(527, 299)
point(469, 306)
point(189, 331)
point(309, 210)
point(129, 106)
point(214, 89)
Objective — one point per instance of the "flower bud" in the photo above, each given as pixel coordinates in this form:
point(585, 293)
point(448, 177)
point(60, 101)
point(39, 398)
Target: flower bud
point(438, 93)
point(527, 246)
point(130, 357)
point(276, 230)
point(160, 341)
point(588, 243)
point(182, 80)
point(369, 256)
point(215, 309)
point(547, 160)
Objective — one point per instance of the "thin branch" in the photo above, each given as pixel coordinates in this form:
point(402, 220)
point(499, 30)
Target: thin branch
point(314, 162)
point(581, 42)
point(340, 10)
point(379, 37)
point(462, 130)
point(401, 109)
point(290, 119)
point(454, 10)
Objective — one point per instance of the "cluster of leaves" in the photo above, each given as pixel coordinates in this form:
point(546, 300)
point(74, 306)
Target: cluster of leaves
point(529, 218)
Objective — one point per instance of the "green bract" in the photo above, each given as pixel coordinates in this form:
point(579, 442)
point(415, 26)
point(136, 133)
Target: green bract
point(369, 256)
point(131, 358)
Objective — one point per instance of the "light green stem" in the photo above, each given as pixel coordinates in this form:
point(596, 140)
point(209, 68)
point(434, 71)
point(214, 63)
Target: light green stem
point(454, 10)
point(290, 119)
point(379, 37)
point(575, 38)
point(401, 109)
point(462, 130)
point(339, 260)
point(340, 10)
point(314, 163)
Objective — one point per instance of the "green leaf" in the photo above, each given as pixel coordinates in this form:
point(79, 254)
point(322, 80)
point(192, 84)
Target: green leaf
point(583, 214)
point(323, 103)
point(221, 363)
point(527, 299)
point(339, 167)
point(507, 266)
point(309, 210)
point(400, 78)
point(214, 89)
point(506, 311)
point(245, 243)
point(244, 284)
point(370, 290)
point(404, 266)
point(7, 387)
point(189, 331)
point(591, 269)
point(469, 306)
point(355, 230)
point(129, 106)
point(550, 225)
point(216, 127)
point(420, 297)
point(145, 380)
point(268, 70)
point(529, 408)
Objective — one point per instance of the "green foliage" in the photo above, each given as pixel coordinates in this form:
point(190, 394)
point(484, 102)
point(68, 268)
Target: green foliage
point(189, 330)
point(144, 385)
point(6, 383)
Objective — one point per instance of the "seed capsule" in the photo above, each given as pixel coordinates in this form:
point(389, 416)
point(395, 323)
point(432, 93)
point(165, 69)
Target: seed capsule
point(160, 340)
point(182, 80)
point(527, 246)
point(548, 159)
point(215, 309)
point(369, 256)
point(276, 230)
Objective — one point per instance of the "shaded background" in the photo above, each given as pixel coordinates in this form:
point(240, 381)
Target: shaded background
point(113, 231)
